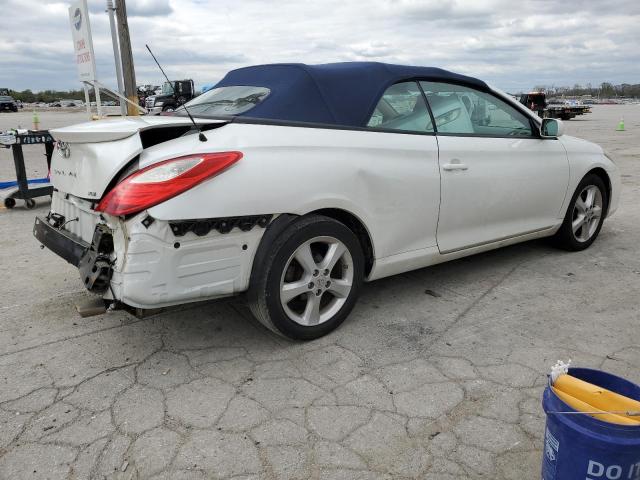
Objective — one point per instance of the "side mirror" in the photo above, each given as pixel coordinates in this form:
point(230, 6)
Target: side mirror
point(551, 128)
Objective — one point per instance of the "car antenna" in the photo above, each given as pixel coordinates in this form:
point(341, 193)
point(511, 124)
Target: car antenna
point(201, 136)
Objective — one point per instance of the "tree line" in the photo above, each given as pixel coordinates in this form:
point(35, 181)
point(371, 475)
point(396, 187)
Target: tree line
point(47, 96)
point(604, 90)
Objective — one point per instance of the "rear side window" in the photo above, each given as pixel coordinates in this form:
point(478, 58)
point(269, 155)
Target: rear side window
point(402, 107)
point(226, 100)
point(464, 110)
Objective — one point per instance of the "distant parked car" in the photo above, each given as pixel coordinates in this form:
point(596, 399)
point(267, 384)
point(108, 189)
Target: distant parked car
point(8, 103)
point(306, 180)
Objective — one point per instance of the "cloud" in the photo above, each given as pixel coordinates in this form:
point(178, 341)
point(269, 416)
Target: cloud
point(135, 8)
point(513, 45)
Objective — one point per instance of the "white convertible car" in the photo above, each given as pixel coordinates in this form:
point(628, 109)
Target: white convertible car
point(295, 183)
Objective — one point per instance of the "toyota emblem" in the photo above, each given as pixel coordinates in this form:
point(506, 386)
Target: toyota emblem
point(63, 149)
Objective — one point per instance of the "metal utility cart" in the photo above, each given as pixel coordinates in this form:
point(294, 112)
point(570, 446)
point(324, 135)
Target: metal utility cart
point(15, 141)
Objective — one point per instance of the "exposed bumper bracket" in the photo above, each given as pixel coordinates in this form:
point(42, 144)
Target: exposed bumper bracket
point(95, 264)
point(60, 241)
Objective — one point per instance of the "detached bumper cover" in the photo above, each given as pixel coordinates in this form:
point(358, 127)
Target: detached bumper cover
point(61, 242)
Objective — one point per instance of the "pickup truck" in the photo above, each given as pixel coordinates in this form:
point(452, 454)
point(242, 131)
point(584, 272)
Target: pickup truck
point(174, 94)
point(8, 103)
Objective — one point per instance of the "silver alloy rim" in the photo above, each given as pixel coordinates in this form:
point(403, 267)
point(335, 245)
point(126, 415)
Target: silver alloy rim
point(587, 213)
point(316, 281)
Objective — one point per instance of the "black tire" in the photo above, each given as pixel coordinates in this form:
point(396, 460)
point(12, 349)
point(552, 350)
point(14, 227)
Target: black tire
point(565, 238)
point(30, 203)
point(274, 255)
point(168, 108)
point(9, 202)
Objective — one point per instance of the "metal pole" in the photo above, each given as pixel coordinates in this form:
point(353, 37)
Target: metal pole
point(87, 99)
point(96, 91)
point(116, 54)
point(128, 72)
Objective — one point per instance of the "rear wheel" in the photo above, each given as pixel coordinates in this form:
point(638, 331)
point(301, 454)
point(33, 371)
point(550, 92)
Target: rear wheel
point(310, 279)
point(585, 215)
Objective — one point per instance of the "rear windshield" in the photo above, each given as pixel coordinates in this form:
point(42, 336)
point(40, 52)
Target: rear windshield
point(226, 101)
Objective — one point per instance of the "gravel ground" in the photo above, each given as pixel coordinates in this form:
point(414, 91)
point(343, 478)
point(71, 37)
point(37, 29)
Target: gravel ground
point(438, 373)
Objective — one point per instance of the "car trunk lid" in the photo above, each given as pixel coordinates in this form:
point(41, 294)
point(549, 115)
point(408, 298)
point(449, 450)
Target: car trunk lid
point(90, 155)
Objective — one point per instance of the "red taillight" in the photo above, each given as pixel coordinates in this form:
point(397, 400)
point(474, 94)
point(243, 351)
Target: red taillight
point(162, 181)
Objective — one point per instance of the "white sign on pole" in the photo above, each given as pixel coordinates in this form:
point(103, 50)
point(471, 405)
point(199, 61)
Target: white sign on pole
point(82, 43)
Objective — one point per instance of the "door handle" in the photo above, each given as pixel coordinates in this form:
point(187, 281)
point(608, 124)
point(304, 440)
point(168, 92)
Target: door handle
point(454, 165)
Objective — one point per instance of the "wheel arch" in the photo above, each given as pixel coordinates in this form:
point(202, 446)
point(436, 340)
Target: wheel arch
point(604, 176)
point(345, 217)
point(359, 229)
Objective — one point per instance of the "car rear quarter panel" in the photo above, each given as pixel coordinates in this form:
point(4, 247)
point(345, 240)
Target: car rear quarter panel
point(390, 181)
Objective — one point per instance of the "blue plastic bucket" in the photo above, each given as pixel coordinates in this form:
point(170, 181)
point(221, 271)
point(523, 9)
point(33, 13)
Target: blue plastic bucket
point(580, 447)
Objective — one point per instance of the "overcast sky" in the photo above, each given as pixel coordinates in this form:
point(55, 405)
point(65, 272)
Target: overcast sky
point(511, 44)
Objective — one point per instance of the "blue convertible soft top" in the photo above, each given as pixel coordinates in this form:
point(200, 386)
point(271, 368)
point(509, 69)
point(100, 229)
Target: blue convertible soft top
point(333, 93)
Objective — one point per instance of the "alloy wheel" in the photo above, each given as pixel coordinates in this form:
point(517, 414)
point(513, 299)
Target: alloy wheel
point(316, 281)
point(587, 212)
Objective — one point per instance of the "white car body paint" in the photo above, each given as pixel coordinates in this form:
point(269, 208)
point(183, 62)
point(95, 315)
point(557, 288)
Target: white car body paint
point(389, 181)
point(416, 212)
point(501, 193)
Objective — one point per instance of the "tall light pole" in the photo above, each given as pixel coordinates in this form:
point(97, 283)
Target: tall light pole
point(116, 54)
point(128, 73)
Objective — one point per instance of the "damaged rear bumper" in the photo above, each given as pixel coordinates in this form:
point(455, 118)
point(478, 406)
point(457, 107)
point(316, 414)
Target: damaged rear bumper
point(93, 260)
point(62, 243)
point(151, 263)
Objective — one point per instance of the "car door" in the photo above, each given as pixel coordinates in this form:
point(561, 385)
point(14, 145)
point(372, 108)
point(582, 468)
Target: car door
point(499, 179)
point(402, 170)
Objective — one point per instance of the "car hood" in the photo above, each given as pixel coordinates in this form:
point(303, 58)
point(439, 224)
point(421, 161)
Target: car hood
point(163, 96)
point(113, 129)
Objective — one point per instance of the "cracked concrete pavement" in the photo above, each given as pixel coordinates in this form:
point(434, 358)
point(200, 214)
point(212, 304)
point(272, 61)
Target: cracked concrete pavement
point(437, 374)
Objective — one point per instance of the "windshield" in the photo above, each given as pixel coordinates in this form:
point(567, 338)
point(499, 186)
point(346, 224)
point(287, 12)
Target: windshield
point(167, 88)
point(4, 98)
point(226, 101)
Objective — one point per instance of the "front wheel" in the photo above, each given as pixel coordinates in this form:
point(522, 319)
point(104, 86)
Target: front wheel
point(585, 215)
point(309, 280)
